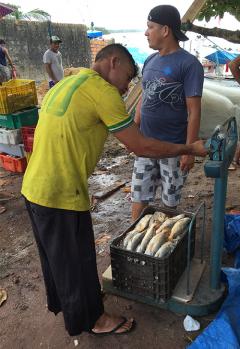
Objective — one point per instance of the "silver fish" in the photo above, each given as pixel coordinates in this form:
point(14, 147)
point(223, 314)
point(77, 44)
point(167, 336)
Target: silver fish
point(156, 242)
point(159, 217)
point(140, 226)
point(169, 223)
point(143, 223)
point(133, 243)
point(179, 228)
point(147, 237)
point(165, 249)
point(128, 237)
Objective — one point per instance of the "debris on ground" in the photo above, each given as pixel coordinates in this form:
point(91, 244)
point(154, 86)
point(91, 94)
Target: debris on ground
point(3, 296)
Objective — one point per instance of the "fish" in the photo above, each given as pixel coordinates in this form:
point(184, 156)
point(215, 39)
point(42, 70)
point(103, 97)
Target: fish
point(179, 228)
point(143, 223)
point(156, 242)
point(169, 223)
point(151, 231)
point(140, 226)
point(133, 243)
point(165, 249)
point(159, 217)
point(128, 237)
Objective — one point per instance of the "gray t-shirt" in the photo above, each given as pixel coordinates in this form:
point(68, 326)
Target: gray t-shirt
point(167, 81)
point(55, 59)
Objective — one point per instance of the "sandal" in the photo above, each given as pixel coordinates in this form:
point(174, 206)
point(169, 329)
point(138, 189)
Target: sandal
point(113, 331)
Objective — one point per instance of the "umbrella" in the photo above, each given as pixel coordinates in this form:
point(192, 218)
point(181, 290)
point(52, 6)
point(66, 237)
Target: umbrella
point(221, 57)
point(5, 10)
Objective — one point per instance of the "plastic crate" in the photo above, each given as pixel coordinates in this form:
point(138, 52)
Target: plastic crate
point(13, 164)
point(149, 277)
point(26, 117)
point(14, 150)
point(10, 137)
point(16, 95)
point(28, 137)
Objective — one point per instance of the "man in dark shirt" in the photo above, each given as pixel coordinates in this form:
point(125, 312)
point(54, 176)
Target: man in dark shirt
point(169, 110)
point(5, 73)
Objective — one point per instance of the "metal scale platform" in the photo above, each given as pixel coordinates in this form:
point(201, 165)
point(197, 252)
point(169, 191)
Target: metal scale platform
point(199, 291)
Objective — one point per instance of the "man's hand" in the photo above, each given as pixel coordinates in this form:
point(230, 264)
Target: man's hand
point(198, 149)
point(186, 162)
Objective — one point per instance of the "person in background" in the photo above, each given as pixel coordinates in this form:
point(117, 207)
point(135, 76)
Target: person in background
point(52, 60)
point(234, 67)
point(5, 73)
point(169, 110)
point(75, 118)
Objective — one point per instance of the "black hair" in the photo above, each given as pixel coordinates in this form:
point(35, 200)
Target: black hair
point(2, 42)
point(117, 48)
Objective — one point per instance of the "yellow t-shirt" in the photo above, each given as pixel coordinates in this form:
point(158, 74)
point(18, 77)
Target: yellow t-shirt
point(74, 121)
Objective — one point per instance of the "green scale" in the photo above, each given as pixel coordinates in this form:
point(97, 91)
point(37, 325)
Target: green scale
point(199, 290)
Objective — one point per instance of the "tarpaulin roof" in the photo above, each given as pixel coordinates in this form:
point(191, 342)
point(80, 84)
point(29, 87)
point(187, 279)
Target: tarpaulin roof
point(91, 34)
point(221, 57)
point(5, 10)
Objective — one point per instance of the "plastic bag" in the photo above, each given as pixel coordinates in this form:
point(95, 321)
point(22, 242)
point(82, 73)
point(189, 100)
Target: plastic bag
point(231, 232)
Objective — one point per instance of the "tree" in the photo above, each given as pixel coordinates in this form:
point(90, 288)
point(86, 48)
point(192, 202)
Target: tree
point(215, 8)
point(36, 14)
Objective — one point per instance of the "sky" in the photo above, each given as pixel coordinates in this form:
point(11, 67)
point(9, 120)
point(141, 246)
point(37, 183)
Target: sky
point(111, 14)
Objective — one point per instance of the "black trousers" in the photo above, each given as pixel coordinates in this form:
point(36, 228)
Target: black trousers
point(65, 241)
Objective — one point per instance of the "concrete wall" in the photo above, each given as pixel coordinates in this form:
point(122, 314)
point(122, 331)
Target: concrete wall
point(27, 41)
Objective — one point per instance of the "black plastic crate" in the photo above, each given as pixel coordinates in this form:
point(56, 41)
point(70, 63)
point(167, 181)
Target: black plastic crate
point(148, 276)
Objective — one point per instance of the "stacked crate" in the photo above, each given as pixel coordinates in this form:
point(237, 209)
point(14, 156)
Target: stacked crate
point(18, 109)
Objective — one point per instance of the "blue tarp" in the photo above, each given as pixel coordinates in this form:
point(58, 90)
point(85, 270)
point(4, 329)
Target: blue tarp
point(221, 57)
point(224, 331)
point(91, 34)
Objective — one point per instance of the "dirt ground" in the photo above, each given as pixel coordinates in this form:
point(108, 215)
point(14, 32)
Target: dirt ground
point(25, 322)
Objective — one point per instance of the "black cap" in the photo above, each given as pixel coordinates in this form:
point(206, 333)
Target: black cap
point(168, 15)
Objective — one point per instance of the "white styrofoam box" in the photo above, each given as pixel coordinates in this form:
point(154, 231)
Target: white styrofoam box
point(10, 136)
point(15, 150)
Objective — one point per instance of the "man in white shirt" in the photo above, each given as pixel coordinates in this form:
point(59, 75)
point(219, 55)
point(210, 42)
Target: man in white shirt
point(52, 60)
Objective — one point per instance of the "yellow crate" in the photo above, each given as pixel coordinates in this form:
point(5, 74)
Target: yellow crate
point(17, 94)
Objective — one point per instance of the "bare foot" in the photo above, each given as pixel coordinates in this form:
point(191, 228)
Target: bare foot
point(107, 323)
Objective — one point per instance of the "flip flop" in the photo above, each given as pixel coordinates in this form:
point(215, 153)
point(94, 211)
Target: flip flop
point(113, 331)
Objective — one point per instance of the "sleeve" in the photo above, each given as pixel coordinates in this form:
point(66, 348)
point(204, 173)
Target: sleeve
point(193, 79)
point(112, 111)
point(47, 58)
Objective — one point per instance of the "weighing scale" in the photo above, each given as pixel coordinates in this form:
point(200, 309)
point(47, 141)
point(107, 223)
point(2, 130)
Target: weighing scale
point(199, 291)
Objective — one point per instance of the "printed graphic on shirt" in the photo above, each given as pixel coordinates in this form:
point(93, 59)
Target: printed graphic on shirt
point(161, 91)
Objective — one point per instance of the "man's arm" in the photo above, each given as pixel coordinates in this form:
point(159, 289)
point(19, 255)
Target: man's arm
point(133, 139)
point(234, 66)
point(8, 57)
point(194, 117)
point(137, 117)
point(50, 72)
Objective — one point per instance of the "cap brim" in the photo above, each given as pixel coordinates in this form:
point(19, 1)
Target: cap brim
point(57, 42)
point(180, 35)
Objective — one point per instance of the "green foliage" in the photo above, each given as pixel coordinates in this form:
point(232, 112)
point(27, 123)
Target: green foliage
point(214, 8)
point(37, 14)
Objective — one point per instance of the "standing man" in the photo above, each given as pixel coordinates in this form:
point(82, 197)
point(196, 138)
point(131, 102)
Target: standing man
point(73, 125)
point(234, 66)
point(5, 73)
point(52, 60)
point(169, 110)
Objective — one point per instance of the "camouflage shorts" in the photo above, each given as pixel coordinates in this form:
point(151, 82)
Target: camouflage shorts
point(5, 74)
point(149, 174)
